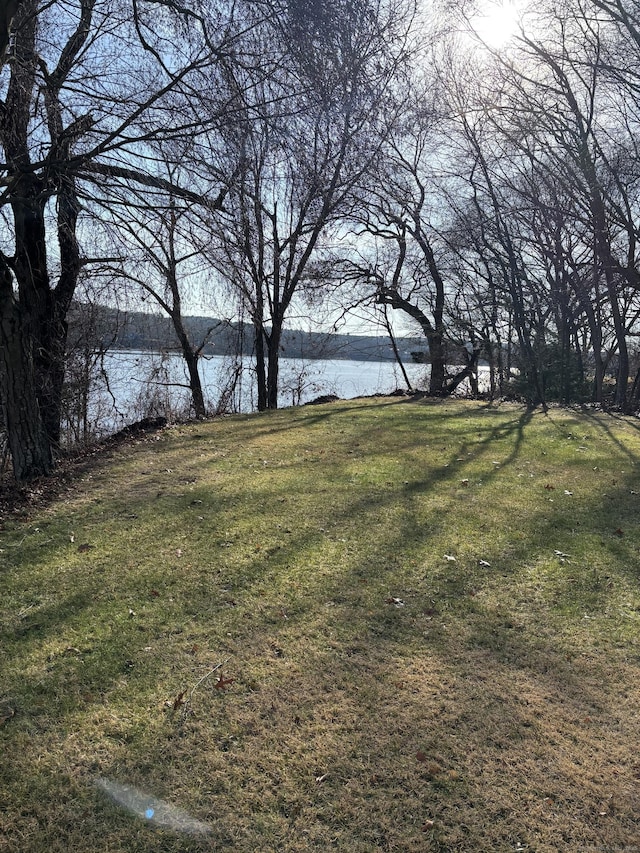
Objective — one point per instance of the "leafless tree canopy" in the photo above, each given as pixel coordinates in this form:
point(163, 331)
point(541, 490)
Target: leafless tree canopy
point(269, 154)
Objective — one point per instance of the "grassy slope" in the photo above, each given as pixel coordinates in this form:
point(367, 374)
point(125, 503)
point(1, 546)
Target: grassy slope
point(384, 697)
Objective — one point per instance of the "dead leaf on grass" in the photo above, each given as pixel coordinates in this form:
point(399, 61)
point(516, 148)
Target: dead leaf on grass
point(222, 683)
point(82, 549)
point(179, 701)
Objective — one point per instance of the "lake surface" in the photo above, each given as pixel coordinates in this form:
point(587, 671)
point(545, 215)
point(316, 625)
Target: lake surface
point(137, 384)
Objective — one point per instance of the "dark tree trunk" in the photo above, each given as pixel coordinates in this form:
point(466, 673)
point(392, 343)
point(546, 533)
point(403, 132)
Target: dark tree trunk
point(34, 327)
point(50, 368)
point(191, 358)
point(54, 328)
point(46, 324)
point(438, 358)
point(261, 374)
point(9, 9)
point(622, 374)
point(469, 371)
point(33, 343)
point(24, 313)
point(435, 331)
point(273, 365)
point(529, 362)
point(28, 440)
point(195, 384)
point(433, 334)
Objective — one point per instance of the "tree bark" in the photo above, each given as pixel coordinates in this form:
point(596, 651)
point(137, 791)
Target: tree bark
point(261, 374)
point(28, 441)
point(33, 331)
point(435, 340)
point(191, 357)
point(273, 365)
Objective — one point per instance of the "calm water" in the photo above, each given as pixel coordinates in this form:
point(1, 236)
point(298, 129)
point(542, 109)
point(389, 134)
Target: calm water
point(137, 384)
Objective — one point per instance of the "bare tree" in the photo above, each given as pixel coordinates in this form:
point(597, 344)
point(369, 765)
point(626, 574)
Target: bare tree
point(79, 111)
point(158, 247)
point(550, 195)
point(306, 137)
point(557, 120)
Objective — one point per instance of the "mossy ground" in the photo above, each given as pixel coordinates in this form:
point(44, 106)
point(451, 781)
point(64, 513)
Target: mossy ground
point(428, 614)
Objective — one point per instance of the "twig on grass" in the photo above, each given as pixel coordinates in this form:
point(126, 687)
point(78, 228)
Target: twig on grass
point(186, 704)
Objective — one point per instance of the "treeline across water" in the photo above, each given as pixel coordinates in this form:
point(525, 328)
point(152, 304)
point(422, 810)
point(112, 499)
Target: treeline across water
point(102, 328)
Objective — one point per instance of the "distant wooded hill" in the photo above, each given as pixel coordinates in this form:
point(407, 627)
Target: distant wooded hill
point(101, 326)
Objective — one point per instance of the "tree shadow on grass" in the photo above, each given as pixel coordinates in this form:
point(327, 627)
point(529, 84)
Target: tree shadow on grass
point(601, 423)
point(413, 693)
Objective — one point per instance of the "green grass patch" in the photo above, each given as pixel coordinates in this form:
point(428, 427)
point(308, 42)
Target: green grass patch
point(425, 616)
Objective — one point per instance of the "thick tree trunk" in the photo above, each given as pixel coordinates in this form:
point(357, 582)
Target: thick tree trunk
point(622, 374)
point(534, 389)
point(46, 327)
point(261, 374)
point(28, 440)
point(438, 359)
point(433, 333)
point(598, 374)
point(49, 363)
point(25, 349)
point(191, 358)
point(195, 383)
point(273, 366)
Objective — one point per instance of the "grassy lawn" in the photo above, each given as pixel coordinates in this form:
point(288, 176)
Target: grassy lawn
point(374, 625)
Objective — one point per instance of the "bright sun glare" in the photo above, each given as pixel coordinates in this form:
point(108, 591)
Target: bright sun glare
point(495, 22)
